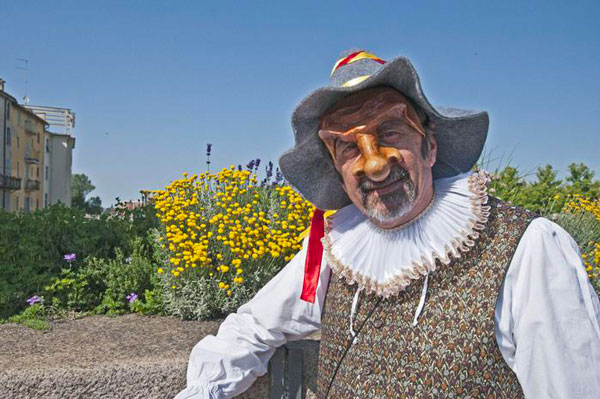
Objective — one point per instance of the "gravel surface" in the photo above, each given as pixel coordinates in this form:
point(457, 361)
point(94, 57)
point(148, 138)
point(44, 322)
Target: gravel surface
point(130, 356)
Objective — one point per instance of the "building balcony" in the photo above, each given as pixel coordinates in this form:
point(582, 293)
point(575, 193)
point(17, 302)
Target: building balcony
point(32, 185)
point(9, 182)
point(32, 156)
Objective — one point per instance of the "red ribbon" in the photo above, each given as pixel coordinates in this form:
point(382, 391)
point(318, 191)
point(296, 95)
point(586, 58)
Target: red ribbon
point(314, 255)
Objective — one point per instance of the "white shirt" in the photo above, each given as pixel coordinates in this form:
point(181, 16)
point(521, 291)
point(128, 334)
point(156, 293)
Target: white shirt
point(547, 318)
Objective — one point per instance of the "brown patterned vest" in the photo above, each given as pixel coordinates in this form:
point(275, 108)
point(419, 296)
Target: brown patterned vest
point(451, 353)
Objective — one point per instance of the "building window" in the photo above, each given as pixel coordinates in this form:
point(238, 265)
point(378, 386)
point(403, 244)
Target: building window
point(37, 171)
point(45, 199)
point(46, 173)
point(8, 134)
point(7, 111)
point(47, 144)
point(37, 203)
point(17, 204)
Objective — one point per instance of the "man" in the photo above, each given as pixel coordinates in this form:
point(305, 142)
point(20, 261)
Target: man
point(427, 287)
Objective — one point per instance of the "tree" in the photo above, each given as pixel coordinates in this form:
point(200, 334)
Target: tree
point(94, 205)
point(508, 185)
point(545, 195)
point(81, 186)
point(581, 180)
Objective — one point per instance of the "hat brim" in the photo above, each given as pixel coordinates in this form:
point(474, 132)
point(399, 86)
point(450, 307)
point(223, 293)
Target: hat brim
point(460, 135)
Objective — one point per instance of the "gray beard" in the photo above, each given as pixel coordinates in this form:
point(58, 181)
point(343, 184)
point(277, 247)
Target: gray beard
point(396, 203)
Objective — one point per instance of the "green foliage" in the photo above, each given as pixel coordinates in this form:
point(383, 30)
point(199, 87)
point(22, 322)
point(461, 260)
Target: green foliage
point(546, 194)
point(508, 185)
point(102, 285)
point(581, 181)
point(153, 303)
point(33, 245)
point(77, 291)
point(582, 226)
point(197, 299)
point(125, 276)
point(34, 316)
point(81, 186)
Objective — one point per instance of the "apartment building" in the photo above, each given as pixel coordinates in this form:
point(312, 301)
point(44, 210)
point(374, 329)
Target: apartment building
point(21, 155)
point(58, 149)
point(35, 154)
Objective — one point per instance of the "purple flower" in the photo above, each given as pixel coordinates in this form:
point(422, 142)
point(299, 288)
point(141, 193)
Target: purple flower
point(240, 168)
point(34, 299)
point(257, 163)
point(132, 297)
point(208, 149)
point(250, 165)
point(278, 176)
point(70, 257)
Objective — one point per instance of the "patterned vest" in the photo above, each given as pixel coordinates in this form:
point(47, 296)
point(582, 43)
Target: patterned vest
point(451, 353)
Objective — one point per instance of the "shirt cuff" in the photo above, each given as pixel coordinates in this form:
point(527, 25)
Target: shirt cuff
point(198, 392)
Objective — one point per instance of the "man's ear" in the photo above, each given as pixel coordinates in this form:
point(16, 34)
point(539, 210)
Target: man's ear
point(343, 186)
point(432, 149)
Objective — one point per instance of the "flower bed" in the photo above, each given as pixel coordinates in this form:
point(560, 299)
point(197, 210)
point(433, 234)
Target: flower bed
point(224, 236)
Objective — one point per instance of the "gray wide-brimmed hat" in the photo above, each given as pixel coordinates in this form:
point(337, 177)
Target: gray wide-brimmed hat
point(460, 133)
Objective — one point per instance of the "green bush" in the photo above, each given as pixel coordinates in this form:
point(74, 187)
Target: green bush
point(196, 298)
point(34, 316)
point(102, 285)
point(546, 194)
point(33, 245)
point(224, 236)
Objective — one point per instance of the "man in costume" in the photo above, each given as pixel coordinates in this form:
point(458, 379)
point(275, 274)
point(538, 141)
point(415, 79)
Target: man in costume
point(423, 286)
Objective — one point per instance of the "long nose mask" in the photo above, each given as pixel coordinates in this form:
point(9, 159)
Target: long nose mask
point(375, 160)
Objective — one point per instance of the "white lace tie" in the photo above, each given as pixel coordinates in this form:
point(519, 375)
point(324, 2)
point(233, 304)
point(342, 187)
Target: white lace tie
point(421, 301)
point(352, 312)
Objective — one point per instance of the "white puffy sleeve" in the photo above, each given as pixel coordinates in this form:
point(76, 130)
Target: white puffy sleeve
point(548, 317)
point(227, 364)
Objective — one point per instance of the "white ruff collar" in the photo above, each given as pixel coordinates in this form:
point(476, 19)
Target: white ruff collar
point(386, 261)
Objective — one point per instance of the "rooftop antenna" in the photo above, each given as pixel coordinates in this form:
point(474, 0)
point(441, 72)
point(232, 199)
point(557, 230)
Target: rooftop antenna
point(25, 68)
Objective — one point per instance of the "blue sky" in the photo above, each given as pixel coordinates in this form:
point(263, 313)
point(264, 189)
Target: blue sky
point(153, 82)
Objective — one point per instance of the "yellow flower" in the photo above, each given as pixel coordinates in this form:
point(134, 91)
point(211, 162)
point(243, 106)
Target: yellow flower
point(232, 225)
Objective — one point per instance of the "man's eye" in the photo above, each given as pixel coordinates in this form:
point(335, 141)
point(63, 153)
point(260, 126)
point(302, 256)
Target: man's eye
point(347, 148)
point(390, 134)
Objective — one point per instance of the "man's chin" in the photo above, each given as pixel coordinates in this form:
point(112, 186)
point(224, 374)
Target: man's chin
point(389, 208)
point(381, 213)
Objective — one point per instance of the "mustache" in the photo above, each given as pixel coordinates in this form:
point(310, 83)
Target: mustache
point(397, 173)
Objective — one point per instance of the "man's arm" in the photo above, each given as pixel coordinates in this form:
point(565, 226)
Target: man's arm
point(227, 364)
point(548, 317)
